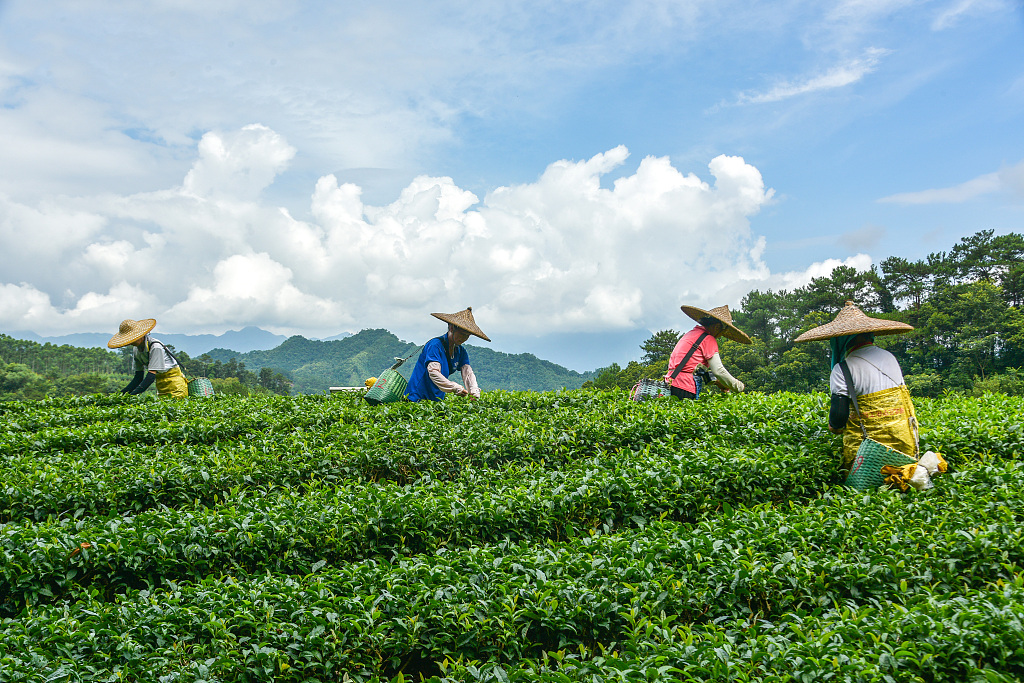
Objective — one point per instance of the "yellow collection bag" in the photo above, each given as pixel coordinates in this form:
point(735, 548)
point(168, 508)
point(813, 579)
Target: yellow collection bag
point(893, 442)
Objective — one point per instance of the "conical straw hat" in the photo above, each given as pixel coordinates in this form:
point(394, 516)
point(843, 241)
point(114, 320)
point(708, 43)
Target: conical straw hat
point(463, 319)
point(722, 315)
point(851, 320)
point(131, 331)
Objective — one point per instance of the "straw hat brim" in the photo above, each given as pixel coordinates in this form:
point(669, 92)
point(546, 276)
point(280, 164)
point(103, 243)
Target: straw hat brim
point(131, 331)
point(463, 320)
point(851, 320)
point(730, 331)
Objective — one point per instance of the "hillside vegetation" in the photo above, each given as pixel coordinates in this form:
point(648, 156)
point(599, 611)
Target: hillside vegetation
point(316, 365)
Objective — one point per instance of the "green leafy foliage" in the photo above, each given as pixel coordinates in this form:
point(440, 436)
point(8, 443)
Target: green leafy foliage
point(567, 536)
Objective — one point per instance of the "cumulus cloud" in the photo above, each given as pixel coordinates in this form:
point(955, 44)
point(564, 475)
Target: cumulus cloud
point(789, 280)
point(564, 253)
point(248, 287)
point(238, 165)
point(24, 307)
point(1009, 179)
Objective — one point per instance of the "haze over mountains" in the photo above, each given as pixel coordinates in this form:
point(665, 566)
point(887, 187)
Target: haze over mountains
point(582, 351)
point(316, 365)
point(244, 340)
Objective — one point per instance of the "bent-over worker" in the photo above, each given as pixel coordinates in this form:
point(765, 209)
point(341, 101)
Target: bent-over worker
point(698, 348)
point(884, 403)
point(151, 361)
point(441, 356)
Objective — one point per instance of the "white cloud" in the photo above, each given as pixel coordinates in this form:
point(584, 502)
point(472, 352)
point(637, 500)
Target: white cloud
point(238, 165)
point(791, 280)
point(1009, 179)
point(24, 307)
point(836, 77)
point(254, 287)
point(955, 12)
point(562, 253)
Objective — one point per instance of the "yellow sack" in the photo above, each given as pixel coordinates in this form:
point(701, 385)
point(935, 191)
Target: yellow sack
point(370, 382)
point(889, 418)
point(172, 383)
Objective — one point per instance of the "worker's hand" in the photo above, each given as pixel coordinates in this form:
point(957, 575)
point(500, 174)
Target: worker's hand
point(462, 391)
point(740, 386)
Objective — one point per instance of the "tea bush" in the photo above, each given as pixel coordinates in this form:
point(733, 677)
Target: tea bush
point(568, 536)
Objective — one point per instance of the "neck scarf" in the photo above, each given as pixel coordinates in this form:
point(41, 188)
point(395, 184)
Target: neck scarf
point(840, 347)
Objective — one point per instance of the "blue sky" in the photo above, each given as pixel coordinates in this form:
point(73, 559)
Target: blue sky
point(573, 170)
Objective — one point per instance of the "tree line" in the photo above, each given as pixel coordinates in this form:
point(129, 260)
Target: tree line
point(964, 305)
point(29, 370)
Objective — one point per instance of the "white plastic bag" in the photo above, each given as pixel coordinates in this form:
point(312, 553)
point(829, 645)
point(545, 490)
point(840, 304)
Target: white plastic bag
point(933, 462)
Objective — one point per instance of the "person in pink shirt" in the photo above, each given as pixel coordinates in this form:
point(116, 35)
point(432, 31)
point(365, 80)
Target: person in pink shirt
point(698, 349)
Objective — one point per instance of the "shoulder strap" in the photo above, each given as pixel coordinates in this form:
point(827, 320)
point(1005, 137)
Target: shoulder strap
point(853, 395)
point(890, 378)
point(157, 341)
point(689, 354)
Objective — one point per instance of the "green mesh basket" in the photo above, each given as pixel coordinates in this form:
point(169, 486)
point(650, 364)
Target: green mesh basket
point(872, 456)
point(390, 387)
point(200, 386)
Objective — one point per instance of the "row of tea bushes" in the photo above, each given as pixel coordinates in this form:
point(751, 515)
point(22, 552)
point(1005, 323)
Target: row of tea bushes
point(176, 459)
point(742, 592)
point(295, 528)
point(561, 536)
point(129, 456)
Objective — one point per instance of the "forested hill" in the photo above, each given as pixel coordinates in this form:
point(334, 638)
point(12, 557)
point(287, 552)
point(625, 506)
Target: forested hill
point(316, 365)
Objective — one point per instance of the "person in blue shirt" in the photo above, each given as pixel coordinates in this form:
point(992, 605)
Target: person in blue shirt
point(444, 355)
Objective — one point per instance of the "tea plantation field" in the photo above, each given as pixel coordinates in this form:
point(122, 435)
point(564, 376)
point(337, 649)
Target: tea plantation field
point(570, 536)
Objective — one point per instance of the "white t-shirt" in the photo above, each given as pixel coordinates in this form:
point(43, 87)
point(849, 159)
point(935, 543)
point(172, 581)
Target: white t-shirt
point(871, 368)
point(152, 356)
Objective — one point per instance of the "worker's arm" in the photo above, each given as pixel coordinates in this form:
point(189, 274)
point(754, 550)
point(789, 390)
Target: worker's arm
point(442, 382)
point(136, 381)
point(469, 379)
point(838, 413)
point(150, 376)
point(722, 375)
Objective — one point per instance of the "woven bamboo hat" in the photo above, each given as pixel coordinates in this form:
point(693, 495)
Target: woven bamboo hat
point(722, 315)
point(851, 320)
point(131, 331)
point(464, 320)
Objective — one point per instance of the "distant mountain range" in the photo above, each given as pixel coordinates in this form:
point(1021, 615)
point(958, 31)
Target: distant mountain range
point(345, 360)
point(245, 339)
point(314, 366)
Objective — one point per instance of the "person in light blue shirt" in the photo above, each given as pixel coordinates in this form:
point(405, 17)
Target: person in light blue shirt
point(444, 355)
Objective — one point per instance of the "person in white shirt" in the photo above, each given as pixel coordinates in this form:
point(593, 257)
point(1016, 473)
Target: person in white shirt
point(151, 361)
point(883, 405)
